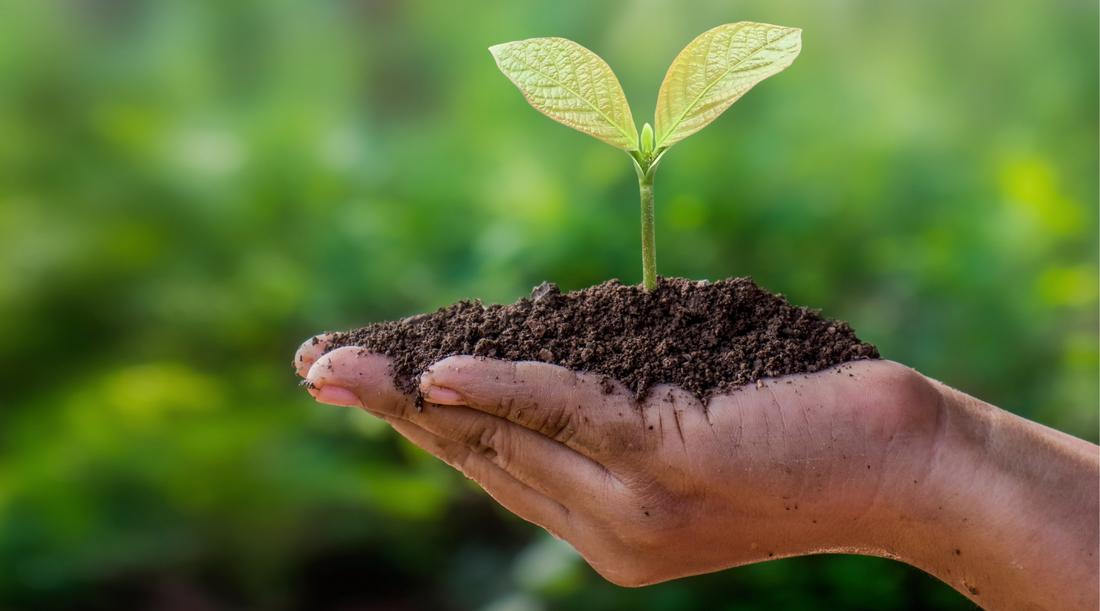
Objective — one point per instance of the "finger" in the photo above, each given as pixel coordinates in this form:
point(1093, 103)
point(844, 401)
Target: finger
point(544, 464)
point(513, 494)
point(351, 376)
point(310, 351)
point(586, 411)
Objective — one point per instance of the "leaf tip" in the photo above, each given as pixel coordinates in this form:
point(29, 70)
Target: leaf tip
point(797, 33)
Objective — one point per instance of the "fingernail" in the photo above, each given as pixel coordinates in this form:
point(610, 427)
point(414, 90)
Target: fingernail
point(443, 396)
point(336, 395)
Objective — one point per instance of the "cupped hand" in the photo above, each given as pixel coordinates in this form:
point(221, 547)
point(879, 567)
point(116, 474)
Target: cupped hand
point(669, 486)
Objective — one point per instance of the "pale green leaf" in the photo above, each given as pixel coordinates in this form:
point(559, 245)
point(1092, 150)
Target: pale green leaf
point(715, 70)
point(571, 85)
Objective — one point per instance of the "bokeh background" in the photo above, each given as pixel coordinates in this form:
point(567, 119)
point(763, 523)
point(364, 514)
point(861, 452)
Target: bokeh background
point(188, 189)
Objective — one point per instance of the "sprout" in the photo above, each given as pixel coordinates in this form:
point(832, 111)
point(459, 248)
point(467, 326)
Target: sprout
point(572, 85)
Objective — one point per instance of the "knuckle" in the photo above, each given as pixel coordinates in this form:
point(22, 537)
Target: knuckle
point(558, 424)
point(506, 407)
point(456, 457)
point(466, 463)
point(491, 443)
point(567, 433)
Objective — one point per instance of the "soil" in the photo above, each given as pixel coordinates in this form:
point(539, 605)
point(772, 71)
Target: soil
point(707, 338)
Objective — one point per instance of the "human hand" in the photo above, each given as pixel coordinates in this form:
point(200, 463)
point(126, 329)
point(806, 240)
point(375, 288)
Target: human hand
point(867, 457)
point(656, 490)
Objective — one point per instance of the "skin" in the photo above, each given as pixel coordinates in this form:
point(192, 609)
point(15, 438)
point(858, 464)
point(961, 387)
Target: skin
point(869, 457)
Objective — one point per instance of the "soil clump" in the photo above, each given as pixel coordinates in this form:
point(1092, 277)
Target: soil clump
point(707, 338)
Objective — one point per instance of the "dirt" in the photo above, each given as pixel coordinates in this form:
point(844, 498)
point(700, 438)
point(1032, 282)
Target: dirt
point(707, 338)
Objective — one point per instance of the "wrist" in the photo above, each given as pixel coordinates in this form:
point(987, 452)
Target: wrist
point(994, 490)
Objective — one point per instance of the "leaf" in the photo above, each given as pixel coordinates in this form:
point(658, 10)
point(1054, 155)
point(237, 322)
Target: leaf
point(715, 70)
point(571, 85)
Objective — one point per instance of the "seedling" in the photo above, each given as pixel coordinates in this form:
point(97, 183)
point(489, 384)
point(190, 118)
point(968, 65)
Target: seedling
point(572, 85)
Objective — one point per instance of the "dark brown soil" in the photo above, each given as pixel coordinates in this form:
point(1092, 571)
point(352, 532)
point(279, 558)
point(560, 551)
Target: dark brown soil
point(706, 338)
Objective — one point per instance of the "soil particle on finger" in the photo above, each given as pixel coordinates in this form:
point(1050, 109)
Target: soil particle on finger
point(707, 338)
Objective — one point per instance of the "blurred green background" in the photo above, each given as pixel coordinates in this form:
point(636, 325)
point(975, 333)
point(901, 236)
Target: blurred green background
point(190, 188)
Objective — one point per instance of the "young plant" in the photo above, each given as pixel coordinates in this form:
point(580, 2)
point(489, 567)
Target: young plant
point(572, 85)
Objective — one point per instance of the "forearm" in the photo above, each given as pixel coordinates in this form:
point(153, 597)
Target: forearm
point(1008, 512)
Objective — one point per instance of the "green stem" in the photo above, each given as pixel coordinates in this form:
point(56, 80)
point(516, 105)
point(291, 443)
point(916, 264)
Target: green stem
point(646, 166)
point(649, 248)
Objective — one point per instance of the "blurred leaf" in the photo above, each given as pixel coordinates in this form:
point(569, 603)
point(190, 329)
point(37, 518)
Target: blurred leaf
point(571, 85)
point(189, 189)
point(548, 565)
point(715, 70)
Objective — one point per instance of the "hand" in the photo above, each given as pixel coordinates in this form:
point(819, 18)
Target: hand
point(669, 487)
point(851, 459)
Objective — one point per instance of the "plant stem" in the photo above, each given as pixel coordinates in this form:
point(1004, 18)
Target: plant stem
point(646, 166)
point(649, 248)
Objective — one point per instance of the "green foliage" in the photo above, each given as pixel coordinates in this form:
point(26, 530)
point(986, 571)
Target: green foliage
point(716, 69)
point(190, 189)
point(573, 86)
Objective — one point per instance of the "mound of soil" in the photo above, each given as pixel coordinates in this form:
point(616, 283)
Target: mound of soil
point(706, 338)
